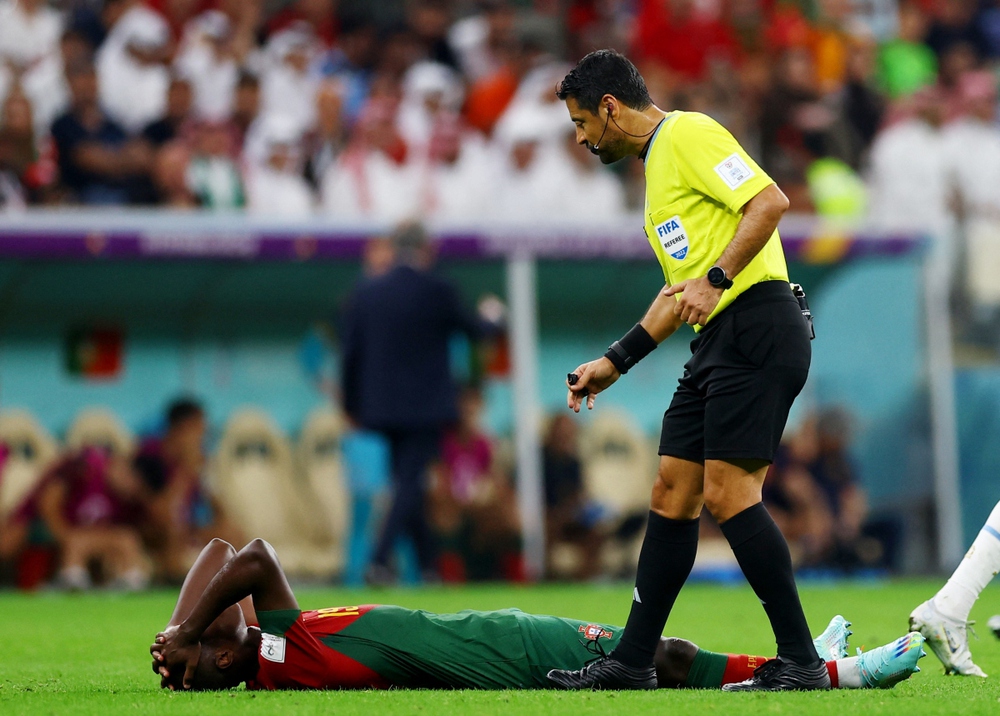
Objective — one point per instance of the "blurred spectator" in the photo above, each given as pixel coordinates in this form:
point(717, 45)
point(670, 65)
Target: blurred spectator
point(395, 378)
point(796, 502)
point(472, 504)
point(955, 62)
point(182, 515)
point(428, 89)
point(97, 161)
point(210, 58)
point(277, 186)
point(170, 177)
point(989, 23)
point(905, 63)
point(178, 13)
point(399, 49)
point(832, 43)
point(91, 505)
point(131, 65)
point(350, 63)
point(794, 124)
point(482, 39)
point(836, 476)
point(457, 183)
point(955, 23)
point(178, 112)
point(431, 20)
point(861, 106)
point(30, 34)
point(493, 95)
point(246, 106)
point(212, 174)
point(17, 152)
point(372, 178)
point(571, 523)
point(683, 38)
point(908, 176)
point(972, 148)
point(319, 16)
point(526, 189)
point(814, 493)
point(589, 190)
point(329, 137)
point(288, 88)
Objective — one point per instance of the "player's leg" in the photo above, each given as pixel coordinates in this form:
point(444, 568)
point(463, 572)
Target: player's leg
point(746, 409)
point(411, 451)
point(733, 495)
point(683, 664)
point(943, 618)
point(129, 569)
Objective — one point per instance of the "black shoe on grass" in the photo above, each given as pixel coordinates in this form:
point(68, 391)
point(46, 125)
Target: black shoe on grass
point(605, 674)
point(780, 675)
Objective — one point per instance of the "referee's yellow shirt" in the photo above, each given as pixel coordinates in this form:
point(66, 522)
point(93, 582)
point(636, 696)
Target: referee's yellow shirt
point(698, 179)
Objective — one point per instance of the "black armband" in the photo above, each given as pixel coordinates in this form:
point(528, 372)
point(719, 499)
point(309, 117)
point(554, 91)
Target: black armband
point(632, 348)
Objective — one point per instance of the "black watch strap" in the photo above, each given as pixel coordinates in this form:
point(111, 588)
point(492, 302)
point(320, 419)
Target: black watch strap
point(718, 278)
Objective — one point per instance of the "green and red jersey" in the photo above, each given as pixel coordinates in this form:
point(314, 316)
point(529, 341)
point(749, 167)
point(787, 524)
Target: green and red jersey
point(375, 646)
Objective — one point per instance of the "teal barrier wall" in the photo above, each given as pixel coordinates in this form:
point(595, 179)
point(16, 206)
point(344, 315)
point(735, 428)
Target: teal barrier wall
point(239, 333)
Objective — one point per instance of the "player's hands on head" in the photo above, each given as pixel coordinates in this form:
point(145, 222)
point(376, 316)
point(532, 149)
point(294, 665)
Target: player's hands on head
point(698, 298)
point(593, 377)
point(174, 652)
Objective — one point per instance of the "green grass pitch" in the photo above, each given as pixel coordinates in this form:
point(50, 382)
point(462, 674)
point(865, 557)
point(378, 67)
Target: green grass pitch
point(66, 654)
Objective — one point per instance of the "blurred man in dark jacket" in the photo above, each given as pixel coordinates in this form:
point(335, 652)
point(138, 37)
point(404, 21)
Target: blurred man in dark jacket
point(396, 380)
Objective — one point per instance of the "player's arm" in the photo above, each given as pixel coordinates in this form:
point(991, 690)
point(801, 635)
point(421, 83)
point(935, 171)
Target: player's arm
point(656, 326)
point(760, 218)
point(212, 559)
point(253, 572)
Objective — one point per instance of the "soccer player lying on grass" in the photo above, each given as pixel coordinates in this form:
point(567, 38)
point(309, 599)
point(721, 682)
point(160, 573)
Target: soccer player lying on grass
point(208, 645)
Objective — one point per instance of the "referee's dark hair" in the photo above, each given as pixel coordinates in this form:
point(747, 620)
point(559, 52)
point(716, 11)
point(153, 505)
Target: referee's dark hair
point(605, 72)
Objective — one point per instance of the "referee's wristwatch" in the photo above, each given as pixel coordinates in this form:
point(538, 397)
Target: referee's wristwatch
point(717, 277)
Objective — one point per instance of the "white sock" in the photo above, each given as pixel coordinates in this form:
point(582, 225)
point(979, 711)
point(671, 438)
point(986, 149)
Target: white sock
point(74, 577)
point(848, 673)
point(979, 566)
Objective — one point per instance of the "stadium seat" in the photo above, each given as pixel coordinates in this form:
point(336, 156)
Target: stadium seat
point(31, 448)
point(253, 476)
point(99, 427)
point(618, 473)
point(322, 476)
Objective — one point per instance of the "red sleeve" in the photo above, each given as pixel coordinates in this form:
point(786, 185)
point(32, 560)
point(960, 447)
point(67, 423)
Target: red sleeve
point(296, 660)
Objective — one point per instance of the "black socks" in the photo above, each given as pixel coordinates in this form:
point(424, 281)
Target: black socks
point(763, 556)
point(667, 555)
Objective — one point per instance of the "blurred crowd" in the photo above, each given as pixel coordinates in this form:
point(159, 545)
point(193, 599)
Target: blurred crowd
point(445, 108)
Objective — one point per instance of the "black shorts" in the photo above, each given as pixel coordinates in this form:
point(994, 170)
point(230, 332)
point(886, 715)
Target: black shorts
point(747, 366)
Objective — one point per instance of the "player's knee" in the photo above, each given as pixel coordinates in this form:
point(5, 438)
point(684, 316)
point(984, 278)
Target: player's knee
point(675, 499)
point(715, 498)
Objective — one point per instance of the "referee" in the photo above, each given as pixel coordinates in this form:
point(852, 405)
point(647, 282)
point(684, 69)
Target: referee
point(711, 215)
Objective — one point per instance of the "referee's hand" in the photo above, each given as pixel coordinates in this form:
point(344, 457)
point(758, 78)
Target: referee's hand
point(698, 298)
point(595, 376)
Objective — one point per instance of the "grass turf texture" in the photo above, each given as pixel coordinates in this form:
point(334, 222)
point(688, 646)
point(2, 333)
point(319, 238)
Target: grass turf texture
point(88, 654)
